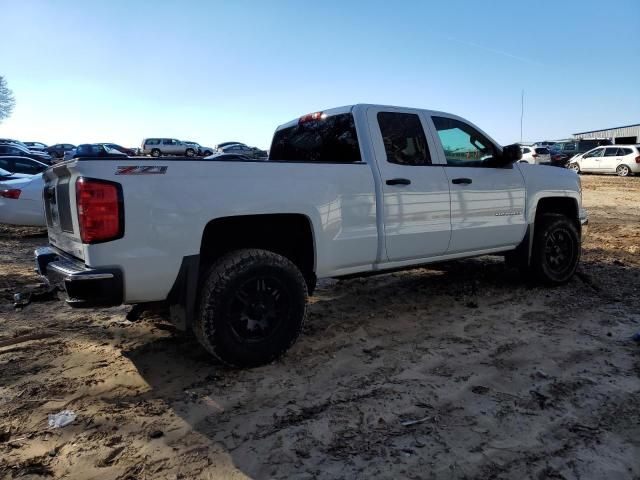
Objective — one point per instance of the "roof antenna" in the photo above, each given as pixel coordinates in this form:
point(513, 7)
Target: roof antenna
point(521, 113)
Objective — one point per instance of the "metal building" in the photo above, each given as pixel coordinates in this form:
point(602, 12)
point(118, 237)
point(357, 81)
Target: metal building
point(620, 135)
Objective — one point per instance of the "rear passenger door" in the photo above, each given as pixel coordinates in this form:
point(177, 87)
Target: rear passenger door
point(487, 202)
point(415, 192)
point(611, 159)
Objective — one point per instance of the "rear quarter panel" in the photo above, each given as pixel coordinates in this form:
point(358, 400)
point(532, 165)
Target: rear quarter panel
point(165, 214)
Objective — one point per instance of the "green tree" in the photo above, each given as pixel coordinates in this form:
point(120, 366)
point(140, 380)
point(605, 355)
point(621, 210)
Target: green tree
point(7, 101)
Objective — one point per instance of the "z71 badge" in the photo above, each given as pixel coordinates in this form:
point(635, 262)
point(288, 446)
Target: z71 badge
point(141, 170)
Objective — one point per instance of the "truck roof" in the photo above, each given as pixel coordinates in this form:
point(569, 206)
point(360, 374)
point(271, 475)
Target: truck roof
point(350, 108)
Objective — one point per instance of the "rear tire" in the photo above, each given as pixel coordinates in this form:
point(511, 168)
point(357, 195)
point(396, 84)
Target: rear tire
point(155, 153)
point(623, 171)
point(252, 307)
point(556, 249)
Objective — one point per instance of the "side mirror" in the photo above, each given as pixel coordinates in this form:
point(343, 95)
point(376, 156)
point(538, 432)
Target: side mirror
point(510, 154)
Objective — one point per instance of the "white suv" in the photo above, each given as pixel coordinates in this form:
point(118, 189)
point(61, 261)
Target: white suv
point(535, 155)
point(621, 159)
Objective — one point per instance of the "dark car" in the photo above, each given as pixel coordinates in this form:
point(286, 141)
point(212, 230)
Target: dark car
point(24, 165)
point(97, 150)
point(13, 150)
point(220, 146)
point(38, 146)
point(127, 151)
point(562, 152)
point(58, 150)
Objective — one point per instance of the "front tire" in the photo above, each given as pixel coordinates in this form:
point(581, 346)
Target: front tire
point(623, 171)
point(190, 152)
point(252, 307)
point(575, 167)
point(556, 249)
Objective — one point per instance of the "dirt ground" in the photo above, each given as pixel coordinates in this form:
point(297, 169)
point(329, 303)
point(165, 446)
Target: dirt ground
point(464, 370)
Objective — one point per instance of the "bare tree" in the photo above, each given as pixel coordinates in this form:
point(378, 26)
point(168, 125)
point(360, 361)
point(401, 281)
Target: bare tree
point(7, 101)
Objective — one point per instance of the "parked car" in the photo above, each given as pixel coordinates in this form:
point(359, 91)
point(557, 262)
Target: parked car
point(21, 201)
point(14, 142)
point(14, 150)
point(127, 151)
point(167, 146)
point(24, 165)
point(350, 191)
point(97, 150)
point(200, 150)
point(39, 146)
point(563, 151)
point(623, 160)
point(238, 149)
point(69, 154)
point(58, 150)
point(6, 175)
point(220, 146)
point(536, 155)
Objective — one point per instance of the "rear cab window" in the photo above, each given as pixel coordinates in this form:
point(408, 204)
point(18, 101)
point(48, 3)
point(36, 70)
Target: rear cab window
point(542, 151)
point(318, 138)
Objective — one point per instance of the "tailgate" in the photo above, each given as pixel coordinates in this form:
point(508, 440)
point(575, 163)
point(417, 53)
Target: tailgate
point(59, 207)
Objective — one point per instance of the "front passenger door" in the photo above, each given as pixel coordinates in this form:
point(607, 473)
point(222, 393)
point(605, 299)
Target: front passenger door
point(487, 202)
point(591, 160)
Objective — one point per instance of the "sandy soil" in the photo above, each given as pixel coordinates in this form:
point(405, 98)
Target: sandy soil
point(460, 371)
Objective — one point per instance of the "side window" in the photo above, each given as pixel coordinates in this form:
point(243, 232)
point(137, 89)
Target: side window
point(463, 145)
point(595, 153)
point(611, 152)
point(626, 151)
point(27, 167)
point(166, 141)
point(404, 139)
point(4, 164)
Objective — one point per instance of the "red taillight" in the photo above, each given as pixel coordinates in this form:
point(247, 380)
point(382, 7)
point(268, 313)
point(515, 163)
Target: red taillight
point(312, 117)
point(100, 210)
point(12, 193)
point(535, 155)
point(638, 159)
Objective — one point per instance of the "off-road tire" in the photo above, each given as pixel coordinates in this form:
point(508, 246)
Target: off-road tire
point(217, 324)
point(623, 171)
point(554, 236)
point(156, 153)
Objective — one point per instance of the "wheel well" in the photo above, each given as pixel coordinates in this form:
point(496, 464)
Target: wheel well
point(563, 205)
point(289, 235)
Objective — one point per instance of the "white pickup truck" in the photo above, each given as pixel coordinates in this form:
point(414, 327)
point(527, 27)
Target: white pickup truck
point(234, 245)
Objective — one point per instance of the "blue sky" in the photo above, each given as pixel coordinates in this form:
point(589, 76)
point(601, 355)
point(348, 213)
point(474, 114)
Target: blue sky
point(121, 70)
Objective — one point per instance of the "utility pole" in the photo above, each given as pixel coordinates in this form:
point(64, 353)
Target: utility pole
point(521, 113)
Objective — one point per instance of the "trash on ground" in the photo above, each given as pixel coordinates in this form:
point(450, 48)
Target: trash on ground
point(408, 423)
point(61, 419)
